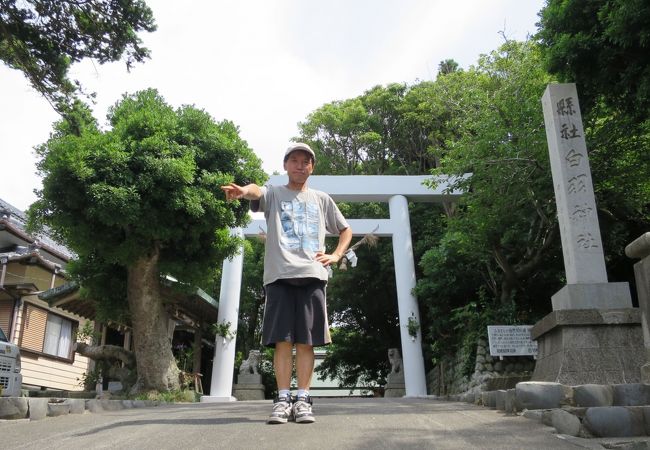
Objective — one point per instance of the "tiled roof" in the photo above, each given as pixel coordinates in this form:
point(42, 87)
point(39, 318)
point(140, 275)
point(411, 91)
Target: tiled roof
point(18, 219)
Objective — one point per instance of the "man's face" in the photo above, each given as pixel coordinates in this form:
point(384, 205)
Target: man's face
point(299, 166)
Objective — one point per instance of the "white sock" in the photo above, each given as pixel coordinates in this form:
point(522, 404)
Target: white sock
point(303, 392)
point(283, 393)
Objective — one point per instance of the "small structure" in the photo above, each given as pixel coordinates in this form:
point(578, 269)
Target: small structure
point(249, 381)
point(395, 383)
point(640, 249)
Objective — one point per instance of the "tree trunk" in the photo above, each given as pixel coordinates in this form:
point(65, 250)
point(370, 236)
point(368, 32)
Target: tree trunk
point(157, 369)
point(109, 354)
point(106, 352)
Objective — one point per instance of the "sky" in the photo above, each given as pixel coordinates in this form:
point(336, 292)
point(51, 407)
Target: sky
point(266, 65)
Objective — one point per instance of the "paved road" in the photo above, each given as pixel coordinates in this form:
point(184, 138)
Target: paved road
point(350, 423)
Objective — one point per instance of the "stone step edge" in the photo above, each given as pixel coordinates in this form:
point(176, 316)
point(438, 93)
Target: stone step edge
point(613, 421)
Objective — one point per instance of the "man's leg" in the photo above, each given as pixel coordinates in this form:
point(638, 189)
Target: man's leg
point(304, 365)
point(282, 363)
point(304, 369)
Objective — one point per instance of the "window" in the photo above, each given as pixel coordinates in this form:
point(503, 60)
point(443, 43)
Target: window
point(48, 333)
point(6, 313)
point(58, 336)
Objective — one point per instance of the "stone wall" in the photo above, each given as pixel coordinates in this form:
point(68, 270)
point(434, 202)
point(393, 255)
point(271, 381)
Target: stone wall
point(450, 377)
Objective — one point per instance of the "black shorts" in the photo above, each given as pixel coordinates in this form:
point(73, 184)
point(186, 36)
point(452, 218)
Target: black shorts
point(296, 312)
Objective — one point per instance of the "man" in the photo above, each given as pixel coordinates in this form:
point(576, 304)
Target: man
point(295, 274)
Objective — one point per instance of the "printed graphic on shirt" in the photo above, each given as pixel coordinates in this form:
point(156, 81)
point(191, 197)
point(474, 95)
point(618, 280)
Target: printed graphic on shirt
point(300, 221)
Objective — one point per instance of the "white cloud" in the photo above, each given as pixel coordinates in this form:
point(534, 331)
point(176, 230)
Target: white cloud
point(265, 65)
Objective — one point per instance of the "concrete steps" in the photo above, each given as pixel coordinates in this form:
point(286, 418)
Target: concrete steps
point(590, 410)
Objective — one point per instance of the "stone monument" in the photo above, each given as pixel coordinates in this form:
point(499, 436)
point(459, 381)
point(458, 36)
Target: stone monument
point(640, 249)
point(249, 381)
point(395, 382)
point(593, 333)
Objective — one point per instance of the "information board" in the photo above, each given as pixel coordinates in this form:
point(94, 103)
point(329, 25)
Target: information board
point(511, 340)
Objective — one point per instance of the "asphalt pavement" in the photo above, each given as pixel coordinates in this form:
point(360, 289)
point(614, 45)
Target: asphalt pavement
point(341, 423)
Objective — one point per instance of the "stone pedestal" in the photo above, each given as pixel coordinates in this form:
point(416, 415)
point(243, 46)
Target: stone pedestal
point(248, 391)
point(249, 387)
point(583, 346)
point(640, 249)
point(395, 389)
point(592, 296)
point(395, 386)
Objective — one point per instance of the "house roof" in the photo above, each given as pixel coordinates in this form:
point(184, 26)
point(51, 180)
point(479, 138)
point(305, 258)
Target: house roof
point(192, 308)
point(29, 256)
point(67, 298)
point(14, 221)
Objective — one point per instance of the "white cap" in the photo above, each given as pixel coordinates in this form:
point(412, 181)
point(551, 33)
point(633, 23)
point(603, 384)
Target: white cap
point(299, 146)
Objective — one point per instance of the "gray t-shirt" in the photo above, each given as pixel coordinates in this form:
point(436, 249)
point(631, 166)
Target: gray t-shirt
point(297, 222)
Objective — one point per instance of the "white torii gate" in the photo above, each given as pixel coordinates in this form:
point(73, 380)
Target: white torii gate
point(397, 191)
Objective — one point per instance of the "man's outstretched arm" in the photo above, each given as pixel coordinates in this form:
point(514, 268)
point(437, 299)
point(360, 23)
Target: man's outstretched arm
point(236, 192)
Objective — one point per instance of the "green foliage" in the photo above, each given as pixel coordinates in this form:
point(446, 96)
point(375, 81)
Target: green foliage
point(610, 35)
point(413, 326)
point(620, 163)
point(88, 380)
point(43, 38)
point(379, 132)
point(151, 181)
point(447, 66)
point(498, 250)
point(223, 329)
point(506, 217)
point(87, 334)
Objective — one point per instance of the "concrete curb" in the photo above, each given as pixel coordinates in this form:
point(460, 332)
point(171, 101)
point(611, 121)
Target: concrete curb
point(38, 408)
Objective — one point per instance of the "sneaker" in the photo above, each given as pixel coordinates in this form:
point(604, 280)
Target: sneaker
point(281, 410)
point(302, 410)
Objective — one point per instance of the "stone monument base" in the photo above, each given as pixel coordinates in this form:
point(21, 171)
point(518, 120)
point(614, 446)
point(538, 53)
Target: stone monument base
point(583, 346)
point(593, 296)
point(395, 390)
point(248, 391)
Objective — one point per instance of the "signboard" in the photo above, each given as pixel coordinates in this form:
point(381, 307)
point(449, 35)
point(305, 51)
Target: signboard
point(511, 340)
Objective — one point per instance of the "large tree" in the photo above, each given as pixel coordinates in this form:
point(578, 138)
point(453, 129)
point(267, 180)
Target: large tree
point(508, 212)
point(43, 38)
point(498, 258)
point(143, 199)
point(604, 47)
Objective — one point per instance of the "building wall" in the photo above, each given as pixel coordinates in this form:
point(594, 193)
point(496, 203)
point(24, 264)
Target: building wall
point(46, 371)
